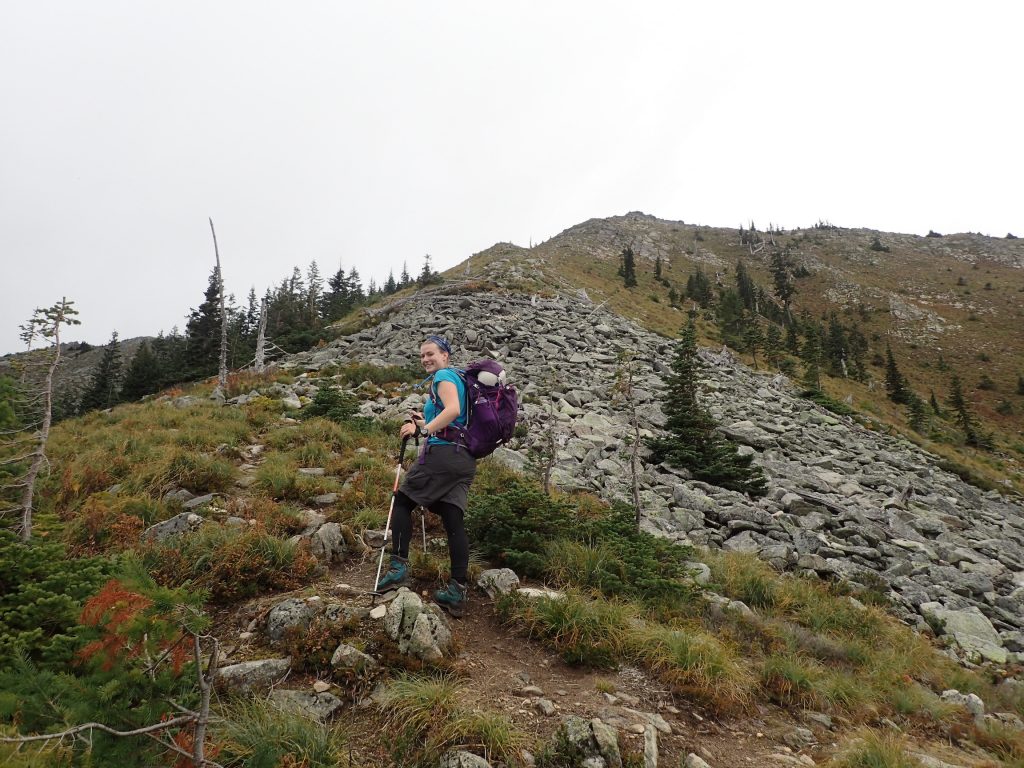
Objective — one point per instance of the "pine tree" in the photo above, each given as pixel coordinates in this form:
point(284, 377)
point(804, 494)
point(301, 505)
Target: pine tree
point(143, 376)
point(102, 391)
point(745, 287)
point(657, 267)
point(753, 338)
point(673, 297)
point(934, 403)
point(917, 413)
point(782, 276)
point(203, 331)
point(962, 411)
point(693, 441)
point(390, 286)
point(337, 302)
point(628, 267)
point(314, 294)
point(895, 384)
point(773, 343)
point(834, 346)
point(404, 281)
point(731, 318)
point(792, 338)
point(811, 356)
point(698, 288)
point(427, 275)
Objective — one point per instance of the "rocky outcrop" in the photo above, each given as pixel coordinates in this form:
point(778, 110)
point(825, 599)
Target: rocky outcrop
point(420, 630)
point(844, 502)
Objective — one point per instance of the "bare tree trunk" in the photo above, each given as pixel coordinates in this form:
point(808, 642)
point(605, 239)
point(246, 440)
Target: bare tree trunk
point(222, 373)
point(261, 338)
point(40, 452)
point(205, 689)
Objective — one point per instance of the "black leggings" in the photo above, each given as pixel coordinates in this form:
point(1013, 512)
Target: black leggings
point(451, 516)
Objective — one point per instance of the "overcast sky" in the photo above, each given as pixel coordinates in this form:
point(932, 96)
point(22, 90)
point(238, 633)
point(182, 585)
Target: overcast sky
point(365, 134)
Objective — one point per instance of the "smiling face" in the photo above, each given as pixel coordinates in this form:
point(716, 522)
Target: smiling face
point(432, 357)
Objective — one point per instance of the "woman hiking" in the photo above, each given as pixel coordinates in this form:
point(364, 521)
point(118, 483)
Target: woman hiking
point(439, 480)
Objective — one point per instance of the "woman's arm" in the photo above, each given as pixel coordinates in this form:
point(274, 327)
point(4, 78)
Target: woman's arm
point(449, 395)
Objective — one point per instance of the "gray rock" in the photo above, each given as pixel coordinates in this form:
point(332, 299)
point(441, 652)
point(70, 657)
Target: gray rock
point(799, 737)
point(198, 501)
point(693, 761)
point(462, 759)
point(592, 740)
point(498, 581)
point(318, 706)
point(254, 675)
point(420, 631)
point(325, 499)
point(970, 701)
point(328, 543)
point(349, 659)
point(293, 612)
point(969, 629)
point(180, 524)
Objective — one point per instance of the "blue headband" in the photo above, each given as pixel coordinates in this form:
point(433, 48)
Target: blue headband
point(442, 343)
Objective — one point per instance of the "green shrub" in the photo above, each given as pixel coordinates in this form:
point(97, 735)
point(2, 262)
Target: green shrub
point(229, 563)
point(513, 528)
point(332, 404)
point(41, 595)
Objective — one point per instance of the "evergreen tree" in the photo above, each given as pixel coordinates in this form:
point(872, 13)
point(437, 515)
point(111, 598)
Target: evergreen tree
point(314, 294)
point(858, 345)
point(337, 301)
point(782, 276)
point(628, 267)
point(693, 441)
point(754, 338)
point(657, 267)
point(673, 297)
point(792, 338)
point(834, 347)
point(745, 287)
point(427, 275)
point(811, 356)
point(390, 286)
point(773, 343)
point(698, 288)
point(917, 413)
point(106, 379)
point(355, 288)
point(1020, 385)
point(203, 332)
point(143, 376)
point(9, 397)
point(731, 318)
point(895, 384)
point(962, 411)
point(934, 403)
point(404, 281)
point(251, 322)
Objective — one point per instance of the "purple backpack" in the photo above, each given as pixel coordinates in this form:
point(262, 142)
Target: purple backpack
point(492, 407)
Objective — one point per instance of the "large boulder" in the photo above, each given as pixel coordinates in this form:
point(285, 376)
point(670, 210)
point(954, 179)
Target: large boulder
point(257, 675)
point(349, 659)
point(969, 629)
point(420, 630)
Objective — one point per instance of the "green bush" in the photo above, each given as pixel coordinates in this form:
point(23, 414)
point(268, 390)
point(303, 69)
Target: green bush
point(41, 595)
point(514, 528)
point(229, 563)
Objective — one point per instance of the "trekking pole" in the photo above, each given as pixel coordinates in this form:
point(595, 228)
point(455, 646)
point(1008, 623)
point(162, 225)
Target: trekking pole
point(391, 509)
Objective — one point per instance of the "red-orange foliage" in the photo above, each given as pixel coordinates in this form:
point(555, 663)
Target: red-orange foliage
point(120, 615)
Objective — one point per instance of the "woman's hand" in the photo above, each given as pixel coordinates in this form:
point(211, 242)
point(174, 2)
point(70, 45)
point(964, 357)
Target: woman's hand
point(412, 426)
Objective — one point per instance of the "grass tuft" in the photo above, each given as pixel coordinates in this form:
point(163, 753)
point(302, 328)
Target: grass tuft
point(257, 734)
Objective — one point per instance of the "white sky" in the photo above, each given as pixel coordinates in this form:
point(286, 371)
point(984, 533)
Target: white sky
point(372, 133)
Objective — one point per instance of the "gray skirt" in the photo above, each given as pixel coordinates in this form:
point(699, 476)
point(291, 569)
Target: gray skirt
point(445, 475)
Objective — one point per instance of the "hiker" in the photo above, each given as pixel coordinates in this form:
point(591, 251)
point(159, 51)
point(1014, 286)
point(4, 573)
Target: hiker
point(439, 479)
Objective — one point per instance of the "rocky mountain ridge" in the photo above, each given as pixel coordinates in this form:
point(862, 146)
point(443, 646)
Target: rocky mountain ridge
point(844, 501)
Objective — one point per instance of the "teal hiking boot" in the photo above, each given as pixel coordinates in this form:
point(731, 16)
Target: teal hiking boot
point(452, 598)
point(395, 575)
